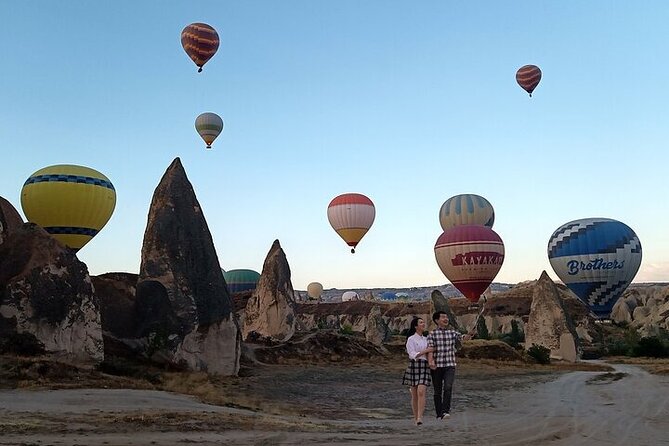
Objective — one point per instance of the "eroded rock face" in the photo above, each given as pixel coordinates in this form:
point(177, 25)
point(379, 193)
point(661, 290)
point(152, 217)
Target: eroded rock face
point(270, 311)
point(440, 303)
point(10, 220)
point(548, 324)
point(376, 330)
point(116, 295)
point(651, 315)
point(46, 292)
point(183, 309)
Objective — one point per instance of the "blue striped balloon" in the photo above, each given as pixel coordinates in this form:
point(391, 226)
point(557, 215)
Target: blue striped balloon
point(597, 258)
point(466, 209)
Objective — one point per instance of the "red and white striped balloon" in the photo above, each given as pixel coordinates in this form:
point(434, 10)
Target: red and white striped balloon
point(351, 215)
point(470, 256)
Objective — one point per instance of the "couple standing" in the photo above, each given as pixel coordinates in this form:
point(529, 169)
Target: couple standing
point(431, 359)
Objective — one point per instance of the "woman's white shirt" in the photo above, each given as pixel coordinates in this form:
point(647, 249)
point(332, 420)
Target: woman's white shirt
point(415, 345)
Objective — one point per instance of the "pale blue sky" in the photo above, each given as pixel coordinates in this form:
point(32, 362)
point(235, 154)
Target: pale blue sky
point(408, 103)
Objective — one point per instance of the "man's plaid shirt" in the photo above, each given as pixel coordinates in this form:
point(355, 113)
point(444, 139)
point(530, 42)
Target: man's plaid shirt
point(443, 341)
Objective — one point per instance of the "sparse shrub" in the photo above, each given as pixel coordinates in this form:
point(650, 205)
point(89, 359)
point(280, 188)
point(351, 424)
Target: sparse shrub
point(540, 353)
point(618, 347)
point(623, 346)
point(482, 329)
point(346, 329)
point(650, 346)
point(515, 337)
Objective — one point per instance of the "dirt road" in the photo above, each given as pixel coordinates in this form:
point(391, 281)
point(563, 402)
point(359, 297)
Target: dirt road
point(623, 407)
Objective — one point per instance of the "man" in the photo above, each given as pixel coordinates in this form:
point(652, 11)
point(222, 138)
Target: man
point(441, 360)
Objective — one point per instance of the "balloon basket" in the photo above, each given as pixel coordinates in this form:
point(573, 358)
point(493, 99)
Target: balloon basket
point(604, 321)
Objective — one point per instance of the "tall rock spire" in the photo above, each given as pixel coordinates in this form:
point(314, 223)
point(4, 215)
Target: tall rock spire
point(184, 309)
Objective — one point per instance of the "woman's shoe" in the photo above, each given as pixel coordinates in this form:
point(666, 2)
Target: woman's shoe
point(419, 422)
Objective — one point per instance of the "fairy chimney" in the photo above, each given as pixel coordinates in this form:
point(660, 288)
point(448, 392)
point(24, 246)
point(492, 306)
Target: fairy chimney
point(184, 312)
point(548, 324)
point(270, 310)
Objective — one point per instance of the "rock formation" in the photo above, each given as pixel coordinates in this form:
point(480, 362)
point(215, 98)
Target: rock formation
point(183, 310)
point(376, 330)
point(548, 324)
point(10, 220)
point(270, 310)
point(440, 303)
point(45, 292)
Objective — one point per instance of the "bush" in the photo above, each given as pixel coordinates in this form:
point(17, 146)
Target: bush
point(346, 329)
point(482, 329)
point(515, 337)
point(618, 347)
point(651, 347)
point(540, 354)
point(623, 346)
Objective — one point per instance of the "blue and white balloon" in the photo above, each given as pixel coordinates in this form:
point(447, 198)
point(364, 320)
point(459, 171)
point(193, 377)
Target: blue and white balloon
point(597, 258)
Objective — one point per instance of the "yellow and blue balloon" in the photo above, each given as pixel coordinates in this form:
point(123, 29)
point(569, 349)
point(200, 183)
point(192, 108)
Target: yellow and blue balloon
point(72, 203)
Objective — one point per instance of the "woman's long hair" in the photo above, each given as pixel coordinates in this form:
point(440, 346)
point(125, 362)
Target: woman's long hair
point(412, 327)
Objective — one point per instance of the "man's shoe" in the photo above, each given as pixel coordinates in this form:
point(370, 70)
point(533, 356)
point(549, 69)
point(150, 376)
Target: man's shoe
point(440, 417)
point(445, 415)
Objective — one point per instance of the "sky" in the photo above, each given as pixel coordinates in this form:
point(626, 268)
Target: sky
point(409, 103)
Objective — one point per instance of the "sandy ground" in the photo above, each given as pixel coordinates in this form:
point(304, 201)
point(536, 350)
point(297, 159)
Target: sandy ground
point(355, 405)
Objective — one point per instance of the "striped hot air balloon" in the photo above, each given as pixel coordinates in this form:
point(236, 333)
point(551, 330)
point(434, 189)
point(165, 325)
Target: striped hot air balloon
point(314, 290)
point(72, 203)
point(470, 256)
point(597, 258)
point(528, 77)
point(466, 209)
point(239, 280)
point(351, 215)
point(209, 126)
point(200, 41)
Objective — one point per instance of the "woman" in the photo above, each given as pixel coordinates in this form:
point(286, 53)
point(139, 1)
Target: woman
point(417, 374)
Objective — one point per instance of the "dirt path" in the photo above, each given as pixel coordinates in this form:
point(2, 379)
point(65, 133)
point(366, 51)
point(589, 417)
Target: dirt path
point(627, 406)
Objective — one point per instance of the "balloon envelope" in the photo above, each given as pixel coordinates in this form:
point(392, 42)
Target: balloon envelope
point(209, 126)
point(470, 256)
point(314, 290)
point(200, 41)
point(466, 209)
point(597, 258)
point(351, 215)
point(528, 77)
point(239, 280)
point(72, 203)
point(388, 295)
point(349, 296)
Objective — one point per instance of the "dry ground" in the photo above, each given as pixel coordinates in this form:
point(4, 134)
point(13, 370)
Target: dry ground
point(362, 403)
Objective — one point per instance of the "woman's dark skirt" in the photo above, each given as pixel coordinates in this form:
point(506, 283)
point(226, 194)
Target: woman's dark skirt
point(418, 372)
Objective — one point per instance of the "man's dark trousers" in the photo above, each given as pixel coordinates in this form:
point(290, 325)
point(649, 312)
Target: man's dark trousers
point(442, 380)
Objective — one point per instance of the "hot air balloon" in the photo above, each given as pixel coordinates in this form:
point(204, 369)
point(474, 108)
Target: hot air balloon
point(209, 126)
point(351, 215)
point(597, 258)
point(314, 290)
point(470, 256)
point(349, 296)
point(200, 41)
point(528, 77)
point(466, 209)
point(388, 295)
point(72, 203)
point(239, 280)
